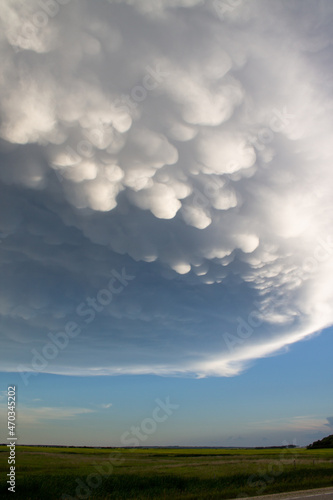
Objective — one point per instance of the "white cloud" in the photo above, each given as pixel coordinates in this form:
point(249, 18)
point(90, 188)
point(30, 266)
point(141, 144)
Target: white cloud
point(3, 395)
point(107, 405)
point(32, 416)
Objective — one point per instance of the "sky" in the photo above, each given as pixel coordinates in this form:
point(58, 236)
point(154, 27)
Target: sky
point(166, 221)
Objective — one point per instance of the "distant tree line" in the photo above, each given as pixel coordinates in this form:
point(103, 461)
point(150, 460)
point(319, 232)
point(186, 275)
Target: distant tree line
point(326, 442)
point(271, 447)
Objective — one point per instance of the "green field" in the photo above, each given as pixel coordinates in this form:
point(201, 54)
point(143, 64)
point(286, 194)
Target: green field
point(163, 473)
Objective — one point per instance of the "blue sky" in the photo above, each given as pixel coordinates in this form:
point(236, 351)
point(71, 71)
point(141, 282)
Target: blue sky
point(279, 399)
point(166, 221)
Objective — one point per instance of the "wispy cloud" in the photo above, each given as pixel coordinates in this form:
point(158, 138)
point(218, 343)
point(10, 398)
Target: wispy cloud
point(330, 422)
point(34, 416)
point(105, 406)
point(3, 395)
point(296, 424)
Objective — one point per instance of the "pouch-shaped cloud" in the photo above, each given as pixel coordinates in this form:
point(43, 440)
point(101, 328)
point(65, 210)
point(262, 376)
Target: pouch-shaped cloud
point(183, 143)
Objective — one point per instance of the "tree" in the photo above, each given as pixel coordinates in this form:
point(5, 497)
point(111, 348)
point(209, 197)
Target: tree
point(326, 442)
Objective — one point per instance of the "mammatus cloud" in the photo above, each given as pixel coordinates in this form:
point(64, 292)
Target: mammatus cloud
point(184, 141)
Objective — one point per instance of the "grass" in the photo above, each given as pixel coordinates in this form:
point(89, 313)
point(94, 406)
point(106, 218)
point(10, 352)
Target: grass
point(163, 473)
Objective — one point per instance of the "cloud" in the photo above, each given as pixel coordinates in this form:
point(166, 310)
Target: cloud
point(330, 422)
point(190, 145)
point(36, 415)
point(3, 395)
point(49, 413)
point(296, 424)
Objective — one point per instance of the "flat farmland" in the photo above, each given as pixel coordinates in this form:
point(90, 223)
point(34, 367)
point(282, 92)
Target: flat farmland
point(163, 473)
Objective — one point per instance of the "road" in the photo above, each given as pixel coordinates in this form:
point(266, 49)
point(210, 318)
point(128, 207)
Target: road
point(316, 494)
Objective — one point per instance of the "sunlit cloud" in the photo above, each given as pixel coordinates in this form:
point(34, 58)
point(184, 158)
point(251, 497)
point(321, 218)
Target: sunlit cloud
point(293, 424)
point(32, 416)
point(106, 406)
